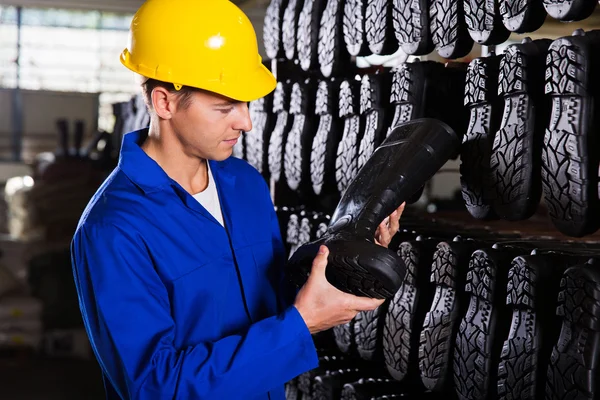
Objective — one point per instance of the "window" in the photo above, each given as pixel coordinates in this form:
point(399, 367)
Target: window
point(66, 50)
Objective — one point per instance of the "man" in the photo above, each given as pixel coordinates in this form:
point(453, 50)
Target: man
point(178, 258)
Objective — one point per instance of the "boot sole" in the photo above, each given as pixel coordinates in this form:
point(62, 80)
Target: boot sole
point(522, 369)
point(484, 22)
point(479, 338)
point(485, 110)
point(448, 28)
point(354, 28)
point(569, 162)
point(346, 163)
point(344, 336)
point(374, 112)
point(279, 135)
point(367, 332)
point(522, 17)
point(326, 141)
point(380, 28)
point(573, 370)
point(441, 322)
point(332, 53)
point(516, 153)
point(411, 26)
point(570, 10)
point(272, 29)
point(289, 28)
point(406, 312)
point(257, 140)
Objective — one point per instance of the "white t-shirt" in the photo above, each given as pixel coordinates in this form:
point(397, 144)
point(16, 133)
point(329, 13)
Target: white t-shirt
point(209, 198)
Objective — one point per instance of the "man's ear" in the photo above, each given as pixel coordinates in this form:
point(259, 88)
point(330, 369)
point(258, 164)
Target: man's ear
point(163, 102)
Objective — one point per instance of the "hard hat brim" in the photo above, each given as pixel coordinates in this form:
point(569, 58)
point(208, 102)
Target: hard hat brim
point(256, 84)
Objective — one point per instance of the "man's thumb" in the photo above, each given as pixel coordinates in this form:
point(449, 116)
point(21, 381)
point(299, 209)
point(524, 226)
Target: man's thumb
point(320, 261)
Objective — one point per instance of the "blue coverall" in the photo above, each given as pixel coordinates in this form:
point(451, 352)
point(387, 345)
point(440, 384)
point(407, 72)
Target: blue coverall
point(175, 305)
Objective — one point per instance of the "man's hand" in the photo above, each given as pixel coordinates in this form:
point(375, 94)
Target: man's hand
point(389, 227)
point(322, 306)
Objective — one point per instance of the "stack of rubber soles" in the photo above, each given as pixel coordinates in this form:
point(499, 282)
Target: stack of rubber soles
point(570, 157)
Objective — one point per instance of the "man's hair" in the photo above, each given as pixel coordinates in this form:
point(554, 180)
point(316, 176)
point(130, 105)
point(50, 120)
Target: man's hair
point(184, 95)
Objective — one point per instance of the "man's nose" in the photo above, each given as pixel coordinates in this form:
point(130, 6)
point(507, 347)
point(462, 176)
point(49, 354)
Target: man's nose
point(244, 122)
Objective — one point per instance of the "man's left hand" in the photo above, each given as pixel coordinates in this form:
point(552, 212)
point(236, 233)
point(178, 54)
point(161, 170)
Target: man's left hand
point(389, 227)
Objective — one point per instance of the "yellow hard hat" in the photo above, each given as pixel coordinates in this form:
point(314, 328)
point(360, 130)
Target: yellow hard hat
point(206, 44)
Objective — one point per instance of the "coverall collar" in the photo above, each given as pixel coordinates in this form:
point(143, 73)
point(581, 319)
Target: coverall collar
point(144, 172)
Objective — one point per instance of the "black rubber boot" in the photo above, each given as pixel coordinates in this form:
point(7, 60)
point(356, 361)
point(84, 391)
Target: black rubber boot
point(522, 16)
point(379, 28)
point(257, 140)
point(533, 284)
point(481, 97)
point(448, 275)
point(325, 144)
point(307, 36)
point(354, 27)
point(570, 10)
point(272, 29)
point(411, 25)
point(332, 52)
point(485, 325)
point(410, 156)
point(570, 151)
point(516, 153)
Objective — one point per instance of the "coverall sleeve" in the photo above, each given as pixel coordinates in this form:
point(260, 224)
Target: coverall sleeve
point(126, 310)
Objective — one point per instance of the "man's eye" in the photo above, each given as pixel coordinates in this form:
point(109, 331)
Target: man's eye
point(225, 110)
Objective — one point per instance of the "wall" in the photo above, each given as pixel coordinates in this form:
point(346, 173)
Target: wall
point(41, 109)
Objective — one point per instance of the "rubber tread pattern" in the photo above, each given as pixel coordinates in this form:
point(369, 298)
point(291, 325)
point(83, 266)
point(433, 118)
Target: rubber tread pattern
point(481, 97)
point(522, 16)
point(573, 370)
point(569, 158)
point(450, 262)
point(448, 28)
point(411, 26)
point(516, 153)
point(354, 27)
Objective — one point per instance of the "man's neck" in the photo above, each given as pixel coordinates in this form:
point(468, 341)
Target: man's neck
point(189, 171)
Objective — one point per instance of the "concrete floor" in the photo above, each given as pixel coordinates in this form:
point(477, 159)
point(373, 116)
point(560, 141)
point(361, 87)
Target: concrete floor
point(33, 378)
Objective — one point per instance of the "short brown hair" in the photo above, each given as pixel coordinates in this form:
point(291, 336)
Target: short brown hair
point(184, 95)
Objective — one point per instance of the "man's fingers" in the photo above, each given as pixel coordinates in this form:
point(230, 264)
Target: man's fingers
point(320, 261)
point(394, 222)
point(384, 234)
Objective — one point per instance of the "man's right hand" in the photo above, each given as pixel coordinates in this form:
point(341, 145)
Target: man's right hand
point(323, 306)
